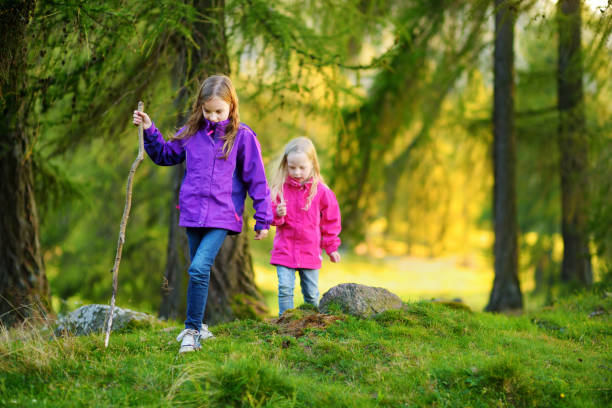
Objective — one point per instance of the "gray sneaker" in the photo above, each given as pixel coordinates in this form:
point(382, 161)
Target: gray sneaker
point(190, 340)
point(205, 333)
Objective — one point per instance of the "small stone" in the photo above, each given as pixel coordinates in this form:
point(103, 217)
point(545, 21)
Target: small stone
point(92, 318)
point(360, 300)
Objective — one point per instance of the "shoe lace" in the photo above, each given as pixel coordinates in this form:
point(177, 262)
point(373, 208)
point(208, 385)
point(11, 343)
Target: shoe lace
point(194, 333)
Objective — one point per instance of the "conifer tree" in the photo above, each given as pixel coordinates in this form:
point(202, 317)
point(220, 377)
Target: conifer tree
point(24, 291)
point(506, 293)
point(574, 146)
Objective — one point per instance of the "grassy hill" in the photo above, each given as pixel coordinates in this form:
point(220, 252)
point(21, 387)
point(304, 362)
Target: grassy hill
point(429, 354)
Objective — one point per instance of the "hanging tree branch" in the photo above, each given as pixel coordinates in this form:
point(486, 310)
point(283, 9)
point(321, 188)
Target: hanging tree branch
point(288, 35)
point(126, 213)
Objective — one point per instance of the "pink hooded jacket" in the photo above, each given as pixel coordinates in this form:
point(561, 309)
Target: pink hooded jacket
point(300, 235)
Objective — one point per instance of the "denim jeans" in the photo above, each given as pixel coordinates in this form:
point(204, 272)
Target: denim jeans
point(309, 281)
point(204, 244)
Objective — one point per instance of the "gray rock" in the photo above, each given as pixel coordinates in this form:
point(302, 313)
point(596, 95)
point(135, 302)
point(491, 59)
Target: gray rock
point(359, 300)
point(91, 319)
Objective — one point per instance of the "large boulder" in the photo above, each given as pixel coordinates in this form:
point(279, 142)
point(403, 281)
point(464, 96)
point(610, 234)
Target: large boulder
point(359, 300)
point(91, 319)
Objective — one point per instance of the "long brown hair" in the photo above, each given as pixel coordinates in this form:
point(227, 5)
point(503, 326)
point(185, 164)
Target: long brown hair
point(219, 86)
point(298, 145)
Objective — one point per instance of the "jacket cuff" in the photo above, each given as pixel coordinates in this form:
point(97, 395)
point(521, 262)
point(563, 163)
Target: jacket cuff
point(262, 226)
point(278, 221)
point(150, 132)
point(331, 248)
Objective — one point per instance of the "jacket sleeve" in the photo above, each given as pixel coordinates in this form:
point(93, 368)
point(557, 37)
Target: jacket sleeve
point(163, 153)
point(277, 221)
point(254, 177)
point(330, 222)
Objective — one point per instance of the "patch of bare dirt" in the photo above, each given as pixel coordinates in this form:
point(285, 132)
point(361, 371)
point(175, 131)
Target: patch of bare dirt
point(295, 325)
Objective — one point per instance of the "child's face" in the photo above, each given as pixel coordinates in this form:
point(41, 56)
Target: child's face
point(299, 166)
point(216, 109)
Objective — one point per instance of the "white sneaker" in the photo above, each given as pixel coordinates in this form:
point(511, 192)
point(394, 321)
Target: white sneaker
point(205, 333)
point(190, 340)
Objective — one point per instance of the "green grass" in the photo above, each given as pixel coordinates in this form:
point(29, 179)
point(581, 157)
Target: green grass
point(426, 355)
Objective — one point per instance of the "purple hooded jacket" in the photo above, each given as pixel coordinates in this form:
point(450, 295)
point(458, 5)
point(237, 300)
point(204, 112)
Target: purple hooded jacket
point(214, 189)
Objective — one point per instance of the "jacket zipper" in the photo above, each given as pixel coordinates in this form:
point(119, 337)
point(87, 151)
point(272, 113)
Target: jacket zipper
point(212, 172)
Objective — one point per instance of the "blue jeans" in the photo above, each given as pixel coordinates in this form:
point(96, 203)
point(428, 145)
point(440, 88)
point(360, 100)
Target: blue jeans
point(309, 281)
point(204, 244)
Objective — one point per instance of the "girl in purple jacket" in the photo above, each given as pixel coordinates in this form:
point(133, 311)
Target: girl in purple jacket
point(307, 220)
point(223, 162)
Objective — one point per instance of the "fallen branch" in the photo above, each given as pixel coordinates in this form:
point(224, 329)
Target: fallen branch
point(126, 213)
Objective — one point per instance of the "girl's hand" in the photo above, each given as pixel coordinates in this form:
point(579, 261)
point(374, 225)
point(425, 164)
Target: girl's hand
point(261, 234)
point(281, 210)
point(334, 257)
point(141, 117)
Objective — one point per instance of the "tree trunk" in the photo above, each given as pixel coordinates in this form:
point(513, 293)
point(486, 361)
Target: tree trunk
point(573, 145)
point(24, 291)
point(188, 62)
point(177, 259)
point(232, 291)
point(506, 293)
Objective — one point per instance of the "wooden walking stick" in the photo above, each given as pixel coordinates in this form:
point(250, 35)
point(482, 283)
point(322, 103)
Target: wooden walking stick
point(126, 213)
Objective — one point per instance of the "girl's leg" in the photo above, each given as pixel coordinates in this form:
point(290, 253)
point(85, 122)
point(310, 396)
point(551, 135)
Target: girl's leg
point(203, 252)
point(309, 281)
point(286, 283)
point(194, 236)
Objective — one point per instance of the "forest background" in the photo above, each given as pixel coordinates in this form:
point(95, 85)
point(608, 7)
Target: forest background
point(398, 97)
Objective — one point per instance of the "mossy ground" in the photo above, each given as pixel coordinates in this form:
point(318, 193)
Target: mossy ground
point(429, 354)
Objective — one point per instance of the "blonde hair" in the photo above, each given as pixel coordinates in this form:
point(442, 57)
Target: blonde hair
point(219, 86)
point(297, 145)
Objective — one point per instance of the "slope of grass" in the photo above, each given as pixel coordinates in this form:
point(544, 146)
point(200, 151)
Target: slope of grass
point(426, 355)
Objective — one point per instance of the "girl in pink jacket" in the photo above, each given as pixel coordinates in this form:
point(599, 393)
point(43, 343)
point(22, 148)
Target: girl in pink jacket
point(307, 220)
